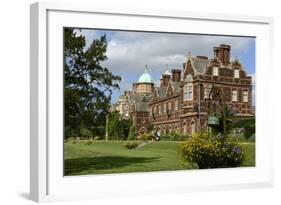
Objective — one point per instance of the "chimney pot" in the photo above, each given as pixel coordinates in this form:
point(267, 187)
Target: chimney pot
point(176, 75)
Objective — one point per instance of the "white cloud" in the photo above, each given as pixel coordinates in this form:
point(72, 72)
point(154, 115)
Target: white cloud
point(129, 52)
point(157, 50)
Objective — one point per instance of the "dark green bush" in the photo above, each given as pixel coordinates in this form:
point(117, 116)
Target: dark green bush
point(249, 130)
point(210, 152)
point(146, 137)
point(249, 127)
point(70, 133)
point(74, 141)
point(165, 138)
point(178, 137)
point(98, 138)
point(89, 142)
point(174, 137)
point(132, 133)
point(85, 133)
point(131, 145)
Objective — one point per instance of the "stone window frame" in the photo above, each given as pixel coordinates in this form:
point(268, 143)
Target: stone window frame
point(234, 97)
point(188, 91)
point(151, 111)
point(192, 126)
point(206, 94)
point(170, 105)
point(176, 104)
point(215, 71)
point(236, 73)
point(245, 94)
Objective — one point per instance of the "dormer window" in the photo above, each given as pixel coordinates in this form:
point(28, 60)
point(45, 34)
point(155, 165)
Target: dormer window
point(236, 73)
point(215, 71)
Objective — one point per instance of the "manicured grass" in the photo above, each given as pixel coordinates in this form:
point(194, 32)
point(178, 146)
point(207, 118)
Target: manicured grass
point(103, 157)
point(249, 148)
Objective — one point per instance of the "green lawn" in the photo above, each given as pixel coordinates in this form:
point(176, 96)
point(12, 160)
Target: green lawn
point(104, 157)
point(249, 148)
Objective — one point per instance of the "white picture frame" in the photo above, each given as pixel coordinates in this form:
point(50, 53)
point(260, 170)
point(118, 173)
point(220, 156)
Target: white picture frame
point(47, 182)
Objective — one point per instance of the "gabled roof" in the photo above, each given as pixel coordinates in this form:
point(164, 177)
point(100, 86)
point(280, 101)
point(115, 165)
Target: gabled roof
point(199, 64)
point(161, 91)
point(176, 86)
point(188, 78)
point(140, 102)
point(142, 107)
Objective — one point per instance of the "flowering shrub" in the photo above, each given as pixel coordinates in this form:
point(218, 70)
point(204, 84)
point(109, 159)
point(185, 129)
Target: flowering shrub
point(210, 152)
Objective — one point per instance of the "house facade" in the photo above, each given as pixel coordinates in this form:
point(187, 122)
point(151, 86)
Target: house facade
point(179, 104)
point(134, 103)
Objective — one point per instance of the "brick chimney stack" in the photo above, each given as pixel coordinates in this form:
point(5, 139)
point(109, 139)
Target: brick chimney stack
point(224, 54)
point(165, 79)
point(216, 52)
point(176, 75)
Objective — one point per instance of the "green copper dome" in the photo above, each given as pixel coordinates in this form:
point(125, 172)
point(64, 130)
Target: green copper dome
point(145, 77)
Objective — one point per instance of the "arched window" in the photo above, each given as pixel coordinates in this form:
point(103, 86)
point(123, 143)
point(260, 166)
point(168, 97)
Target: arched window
point(142, 130)
point(192, 127)
point(184, 128)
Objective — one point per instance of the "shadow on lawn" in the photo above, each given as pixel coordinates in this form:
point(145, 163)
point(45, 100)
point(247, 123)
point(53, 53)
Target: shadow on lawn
point(89, 165)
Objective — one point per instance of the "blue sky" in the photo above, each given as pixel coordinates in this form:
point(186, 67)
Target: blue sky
point(128, 52)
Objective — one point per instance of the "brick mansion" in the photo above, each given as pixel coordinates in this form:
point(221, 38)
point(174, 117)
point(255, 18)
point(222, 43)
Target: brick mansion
point(179, 103)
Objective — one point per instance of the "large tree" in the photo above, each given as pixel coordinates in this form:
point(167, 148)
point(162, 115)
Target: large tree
point(118, 128)
point(88, 84)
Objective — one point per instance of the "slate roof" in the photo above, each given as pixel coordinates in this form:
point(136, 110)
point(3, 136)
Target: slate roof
point(199, 64)
point(142, 106)
point(140, 102)
point(161, 91)
point(176, 86)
